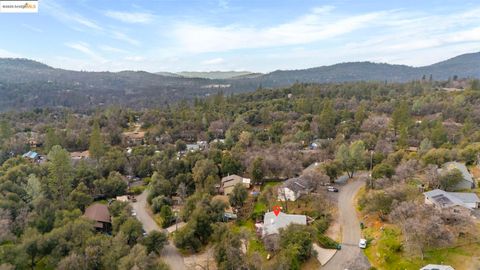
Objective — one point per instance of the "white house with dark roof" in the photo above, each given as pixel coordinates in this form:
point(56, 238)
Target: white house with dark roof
point(272, 224)
point(467, 182)
point(293, 188)
point(455, 200)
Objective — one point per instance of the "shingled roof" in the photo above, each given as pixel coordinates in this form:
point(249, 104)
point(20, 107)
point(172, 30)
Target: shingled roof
point(98, 212)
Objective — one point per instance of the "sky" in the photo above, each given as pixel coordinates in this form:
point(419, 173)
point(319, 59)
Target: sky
point(253, 35)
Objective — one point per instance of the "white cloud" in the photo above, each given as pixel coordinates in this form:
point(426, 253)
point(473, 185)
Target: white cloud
point(130, 17)
point(69, 17)
point(312, 27)
point(214, 61)
point(111, 49)
point(85, 49)
point(32, 28)
point(124, 37)
point(134, 58)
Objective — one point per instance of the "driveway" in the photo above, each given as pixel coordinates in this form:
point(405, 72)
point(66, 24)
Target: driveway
point(170, 253)
point(350, 256)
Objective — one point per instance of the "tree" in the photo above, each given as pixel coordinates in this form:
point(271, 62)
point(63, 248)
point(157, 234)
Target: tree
point(430, 230)
point(351, 158)
point(72, 262)
point(438, 135)
point(138, 258)
point(298, 240)
point(31, 244)
point(227, 252)
point(203, 168)
point(33, 188)
point(382, 170)
point(475, 85)
point(238, 196)
point(154, 242)
point(230, 165)
point(425, 146)
point(327, 120)
point(6, 131)
point(113, 185)
point(180, 145)
point(257, 170)
point(167, 216)
point(401, 117)
point(96, 145)
point(332, 170)
point(132, 229)
point(51, 139)
point(60, 174)
point(80, 197)
point(450, 179)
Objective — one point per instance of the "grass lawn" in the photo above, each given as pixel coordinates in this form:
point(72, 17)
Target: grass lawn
point(269, 184)
point(386, 252)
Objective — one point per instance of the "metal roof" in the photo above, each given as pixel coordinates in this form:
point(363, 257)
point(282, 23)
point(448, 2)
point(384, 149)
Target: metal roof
point(272, 224)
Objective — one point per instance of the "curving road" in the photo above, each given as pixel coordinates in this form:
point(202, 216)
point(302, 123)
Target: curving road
point(350, 256)
point(170, 253)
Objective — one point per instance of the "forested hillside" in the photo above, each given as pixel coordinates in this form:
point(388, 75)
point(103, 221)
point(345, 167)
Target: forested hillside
point(28, 84)
point(176, 156)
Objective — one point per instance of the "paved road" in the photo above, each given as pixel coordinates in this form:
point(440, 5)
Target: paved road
point(350, 256)
point(170, 253)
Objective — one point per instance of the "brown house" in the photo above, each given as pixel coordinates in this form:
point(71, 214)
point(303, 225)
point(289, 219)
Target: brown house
point(100, 214)
point(229, 182)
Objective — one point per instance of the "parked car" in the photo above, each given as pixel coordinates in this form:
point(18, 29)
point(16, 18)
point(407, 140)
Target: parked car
point(134, 213)
point(362, 243)
point(332, 189)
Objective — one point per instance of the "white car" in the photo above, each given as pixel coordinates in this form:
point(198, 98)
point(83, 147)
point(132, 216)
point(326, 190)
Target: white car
point(362, 243)
point(134, 213)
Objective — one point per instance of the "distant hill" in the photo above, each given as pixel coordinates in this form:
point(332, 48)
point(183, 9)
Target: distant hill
point(464, 66)
point(28, 84)
point(215, 75)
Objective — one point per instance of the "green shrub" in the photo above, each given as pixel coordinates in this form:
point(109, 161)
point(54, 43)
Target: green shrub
point(327, 242)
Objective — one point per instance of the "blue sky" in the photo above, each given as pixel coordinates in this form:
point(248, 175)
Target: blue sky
point(254, 35)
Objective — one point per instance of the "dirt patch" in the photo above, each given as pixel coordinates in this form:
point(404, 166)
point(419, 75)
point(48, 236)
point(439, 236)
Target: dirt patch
point(201, 261)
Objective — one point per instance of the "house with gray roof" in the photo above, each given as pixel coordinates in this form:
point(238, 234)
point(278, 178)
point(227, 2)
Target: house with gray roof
point(467, 182)
point(437, 267)
point(272, 224)
point(293, 188)
point(458, 201)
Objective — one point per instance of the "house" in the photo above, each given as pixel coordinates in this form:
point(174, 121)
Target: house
point(80, 155)
point(457, 201)
point(32, 155)
point(412, 149)
point(437, 267)
point(192, 147)
point(218, 141)
point(272, 223)
point(123, 198)
point(134, 138)
point(467, 182)
point(293, 188)
point(229, 182)
point(100, 214)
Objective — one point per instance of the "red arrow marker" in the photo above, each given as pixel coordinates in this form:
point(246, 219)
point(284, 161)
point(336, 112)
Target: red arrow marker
point(276, 210)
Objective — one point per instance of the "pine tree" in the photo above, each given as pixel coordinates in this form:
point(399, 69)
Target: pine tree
point(327, 120)
point(60, 175)
point(96, 146)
